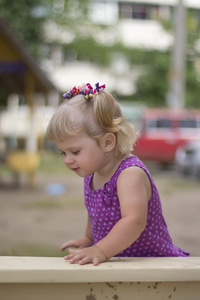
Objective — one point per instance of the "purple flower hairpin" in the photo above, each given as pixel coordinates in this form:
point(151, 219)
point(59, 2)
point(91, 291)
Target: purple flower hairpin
point(85, 89)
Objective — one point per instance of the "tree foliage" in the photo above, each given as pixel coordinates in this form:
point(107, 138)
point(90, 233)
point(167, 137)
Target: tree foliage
point(152, 85)
point(27, 17)
point(20, 16)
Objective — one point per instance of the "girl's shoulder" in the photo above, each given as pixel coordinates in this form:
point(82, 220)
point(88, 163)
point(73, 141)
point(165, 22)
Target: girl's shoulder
point(126, 167)
point(135, 174)
point(130, 161)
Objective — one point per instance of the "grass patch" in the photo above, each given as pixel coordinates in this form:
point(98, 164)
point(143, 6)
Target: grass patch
point(75, 201)
point(4, 169)
point(54, 203)
point(184, 184)
point(168, 185)
point(45, 203)
point(30, 249)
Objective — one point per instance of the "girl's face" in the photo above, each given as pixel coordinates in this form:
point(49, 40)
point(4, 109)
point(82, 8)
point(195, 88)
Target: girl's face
point(82, 154)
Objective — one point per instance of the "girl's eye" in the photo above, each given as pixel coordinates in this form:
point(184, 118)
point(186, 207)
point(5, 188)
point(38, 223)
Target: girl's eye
point(62, 153)
point(75, 152)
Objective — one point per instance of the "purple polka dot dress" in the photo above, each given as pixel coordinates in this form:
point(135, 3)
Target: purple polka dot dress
point(104, 211)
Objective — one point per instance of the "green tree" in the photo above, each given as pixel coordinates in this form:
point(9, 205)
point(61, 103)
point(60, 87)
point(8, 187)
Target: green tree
point(27, 17)
point(192, 69)
point(21, 16)
point(152, 84)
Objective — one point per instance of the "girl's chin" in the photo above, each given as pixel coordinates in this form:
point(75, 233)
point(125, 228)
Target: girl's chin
point(81, 173)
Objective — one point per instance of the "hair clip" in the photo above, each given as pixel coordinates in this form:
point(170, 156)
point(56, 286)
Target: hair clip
point(85, 89)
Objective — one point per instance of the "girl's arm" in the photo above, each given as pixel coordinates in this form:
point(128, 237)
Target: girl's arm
point(134, 191)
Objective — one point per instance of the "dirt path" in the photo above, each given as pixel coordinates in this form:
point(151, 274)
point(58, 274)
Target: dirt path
point(37, 217)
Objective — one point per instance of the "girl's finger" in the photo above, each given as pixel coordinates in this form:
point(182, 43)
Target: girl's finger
point(96, 261)
point(85, 260)
point(72, 243)
point(74, 251)
point(75, 259)
point(63, 247)
point(68, 257)
point(66, 245)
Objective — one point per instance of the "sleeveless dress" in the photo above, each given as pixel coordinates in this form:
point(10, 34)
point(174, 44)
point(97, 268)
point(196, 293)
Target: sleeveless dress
point(104, 212)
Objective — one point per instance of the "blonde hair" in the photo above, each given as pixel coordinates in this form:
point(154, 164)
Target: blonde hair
point(98, 115)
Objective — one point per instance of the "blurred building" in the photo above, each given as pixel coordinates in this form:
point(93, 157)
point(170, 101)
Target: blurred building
point(134, 23)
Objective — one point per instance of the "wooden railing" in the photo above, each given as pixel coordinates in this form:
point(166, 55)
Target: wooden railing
point(43, 278)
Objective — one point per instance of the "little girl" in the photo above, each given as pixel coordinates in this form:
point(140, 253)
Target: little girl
point(124, 208)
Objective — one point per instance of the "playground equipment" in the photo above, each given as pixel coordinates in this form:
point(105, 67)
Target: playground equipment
point(21, 76)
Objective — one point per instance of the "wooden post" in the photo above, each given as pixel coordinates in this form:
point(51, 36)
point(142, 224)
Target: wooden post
point(31, 143)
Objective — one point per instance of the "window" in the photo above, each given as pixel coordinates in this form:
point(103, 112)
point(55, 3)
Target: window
point(139, 11)
point(164, 123)
point(159, 124)
point(125, 11)
point(144, 11)
point(188, 123)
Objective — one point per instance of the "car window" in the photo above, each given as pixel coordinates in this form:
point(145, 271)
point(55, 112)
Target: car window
point(188, 123)
point(164, 123)
point(161, 123)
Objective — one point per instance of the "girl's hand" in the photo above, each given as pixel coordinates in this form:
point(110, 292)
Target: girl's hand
point(79, 243)
point(91, 254)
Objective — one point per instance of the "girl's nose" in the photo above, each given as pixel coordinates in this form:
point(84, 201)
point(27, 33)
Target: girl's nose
point(68, 159)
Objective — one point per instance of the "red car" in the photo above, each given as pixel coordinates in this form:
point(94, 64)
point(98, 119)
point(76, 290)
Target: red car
point(163, 131)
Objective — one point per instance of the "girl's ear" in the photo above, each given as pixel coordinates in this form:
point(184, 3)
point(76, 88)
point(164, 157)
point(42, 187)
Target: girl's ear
point(108, 142)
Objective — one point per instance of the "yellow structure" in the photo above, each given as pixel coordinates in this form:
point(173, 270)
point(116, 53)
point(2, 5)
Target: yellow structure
point(20, 74)
point(24, 162)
